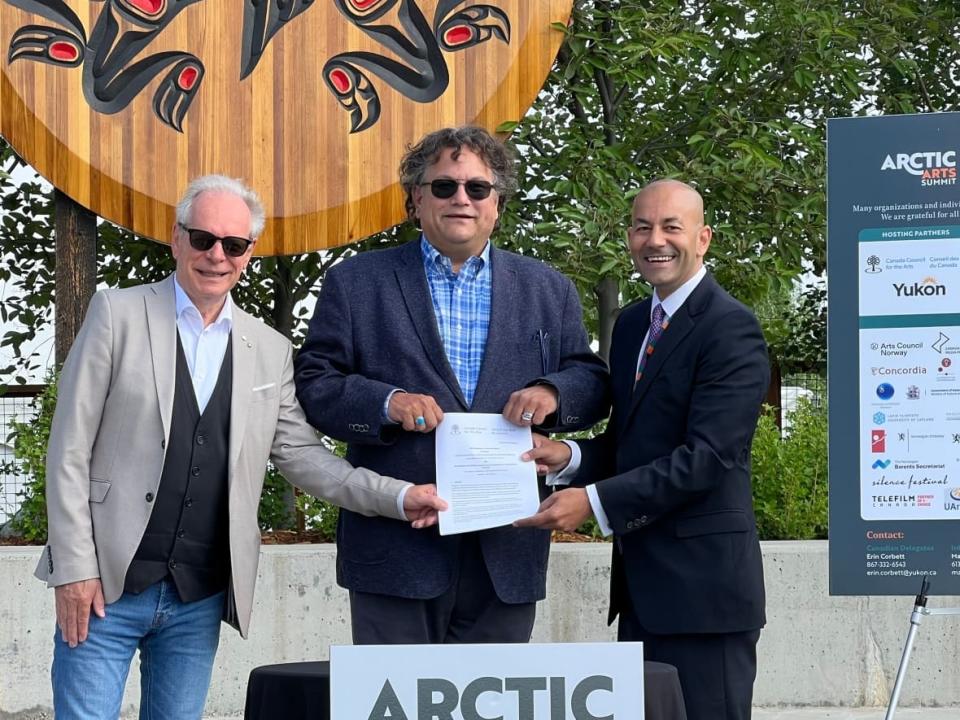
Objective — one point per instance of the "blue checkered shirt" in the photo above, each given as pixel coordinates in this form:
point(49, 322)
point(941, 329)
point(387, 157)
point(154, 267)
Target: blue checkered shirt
point(461, 302)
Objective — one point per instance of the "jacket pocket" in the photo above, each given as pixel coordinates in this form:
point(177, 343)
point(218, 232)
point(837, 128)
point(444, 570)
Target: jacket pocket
point(99, 490)
point(260, 393)
point(722, 521)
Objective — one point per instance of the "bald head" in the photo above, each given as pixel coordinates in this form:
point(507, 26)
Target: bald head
point(682, 193)
point(667, 237)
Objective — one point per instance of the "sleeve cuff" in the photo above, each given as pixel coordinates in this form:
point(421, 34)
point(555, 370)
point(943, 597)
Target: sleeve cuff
point(598, 511)
point(403, 493)
point(565, 476)
point(386, 406)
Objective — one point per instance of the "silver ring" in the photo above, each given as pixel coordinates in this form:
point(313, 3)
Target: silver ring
point(419, 420)
point(528, 416)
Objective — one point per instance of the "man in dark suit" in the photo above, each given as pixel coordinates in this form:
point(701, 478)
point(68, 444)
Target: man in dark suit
point(689, 370)
point(447, 323)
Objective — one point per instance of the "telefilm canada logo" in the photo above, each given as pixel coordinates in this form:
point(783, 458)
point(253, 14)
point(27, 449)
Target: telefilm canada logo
point(937, 167)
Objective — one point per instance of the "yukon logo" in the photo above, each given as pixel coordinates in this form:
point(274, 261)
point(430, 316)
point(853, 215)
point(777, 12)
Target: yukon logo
point(929, 287)
point(933, 168)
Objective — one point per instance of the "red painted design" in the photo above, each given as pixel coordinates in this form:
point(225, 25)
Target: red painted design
point(150, 8)
point(63, 51)
point(340, 80)
point(188, 78)
point(364, 5)
point(457, 35)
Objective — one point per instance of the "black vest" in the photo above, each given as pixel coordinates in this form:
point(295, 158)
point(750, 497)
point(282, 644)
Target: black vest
point(188, 536)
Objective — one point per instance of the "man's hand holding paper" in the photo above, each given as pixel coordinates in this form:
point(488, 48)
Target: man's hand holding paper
point(481, 473)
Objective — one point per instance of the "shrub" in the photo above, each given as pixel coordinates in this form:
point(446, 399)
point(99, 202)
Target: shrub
point(790, 475)
point(29, 439)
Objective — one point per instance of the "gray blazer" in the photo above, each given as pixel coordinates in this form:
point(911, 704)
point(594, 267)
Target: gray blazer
point(375, 329)
point(112, 422)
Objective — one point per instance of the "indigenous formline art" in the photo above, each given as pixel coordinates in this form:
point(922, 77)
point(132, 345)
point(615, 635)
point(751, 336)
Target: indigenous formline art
point(117, 65)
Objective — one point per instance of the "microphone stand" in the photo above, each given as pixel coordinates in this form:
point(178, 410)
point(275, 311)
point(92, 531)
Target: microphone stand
point(920, 609)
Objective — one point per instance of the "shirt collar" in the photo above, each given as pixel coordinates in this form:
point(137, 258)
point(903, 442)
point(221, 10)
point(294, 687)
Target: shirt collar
point(185, 305)
point(679, 296)
point(431, 255)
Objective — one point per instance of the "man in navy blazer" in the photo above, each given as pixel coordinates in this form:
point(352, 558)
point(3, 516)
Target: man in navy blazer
point(447, 323)
point(671, 474)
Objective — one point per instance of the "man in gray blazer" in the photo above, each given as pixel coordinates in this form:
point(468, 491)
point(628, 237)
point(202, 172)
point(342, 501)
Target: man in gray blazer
point(447, 323)
point(170, 403)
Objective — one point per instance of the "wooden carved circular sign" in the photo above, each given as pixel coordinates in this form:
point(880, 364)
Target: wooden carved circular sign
point(119, 103)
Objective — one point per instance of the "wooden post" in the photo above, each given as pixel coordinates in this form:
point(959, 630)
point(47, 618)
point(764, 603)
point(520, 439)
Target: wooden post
point(75, 230)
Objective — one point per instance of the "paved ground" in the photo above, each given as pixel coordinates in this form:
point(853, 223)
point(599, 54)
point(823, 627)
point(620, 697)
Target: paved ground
point(834, 713)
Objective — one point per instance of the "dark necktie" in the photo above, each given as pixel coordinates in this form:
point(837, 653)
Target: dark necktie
point(657, 326)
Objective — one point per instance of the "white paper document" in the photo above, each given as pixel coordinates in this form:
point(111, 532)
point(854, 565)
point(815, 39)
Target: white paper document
point(480, 473)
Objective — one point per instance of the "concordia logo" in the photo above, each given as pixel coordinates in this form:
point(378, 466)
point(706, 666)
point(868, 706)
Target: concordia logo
point(928, 287)
point(933, 168)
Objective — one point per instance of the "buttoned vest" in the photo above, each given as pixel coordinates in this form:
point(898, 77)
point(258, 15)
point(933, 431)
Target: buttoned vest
point(188, 535)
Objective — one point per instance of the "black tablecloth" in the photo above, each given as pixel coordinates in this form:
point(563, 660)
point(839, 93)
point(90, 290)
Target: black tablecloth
point(301, 691)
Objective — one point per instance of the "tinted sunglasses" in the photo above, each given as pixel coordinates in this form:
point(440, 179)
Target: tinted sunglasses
point(203, 240)
point(444, 188)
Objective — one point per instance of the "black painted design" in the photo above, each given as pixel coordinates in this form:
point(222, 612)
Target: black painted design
point(117, 66)
point(355, 93)
point(47, 45)
point(112, 74)
point(475, 24)
point(414, 64)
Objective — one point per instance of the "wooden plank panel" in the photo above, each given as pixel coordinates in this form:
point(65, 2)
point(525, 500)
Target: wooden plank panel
point(281, 128)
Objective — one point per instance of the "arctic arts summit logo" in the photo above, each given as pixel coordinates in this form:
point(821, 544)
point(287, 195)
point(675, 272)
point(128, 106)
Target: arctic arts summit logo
point(937, 167)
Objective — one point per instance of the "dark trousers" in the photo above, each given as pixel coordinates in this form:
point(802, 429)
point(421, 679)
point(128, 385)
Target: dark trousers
point(716, 671)
point(468, 612)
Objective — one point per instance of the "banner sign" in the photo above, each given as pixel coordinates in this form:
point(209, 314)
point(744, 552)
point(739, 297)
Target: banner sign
point(557, 681)
point(894, 353)
point(118, 103)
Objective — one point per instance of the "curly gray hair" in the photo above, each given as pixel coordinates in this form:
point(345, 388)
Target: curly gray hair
point(499, 157)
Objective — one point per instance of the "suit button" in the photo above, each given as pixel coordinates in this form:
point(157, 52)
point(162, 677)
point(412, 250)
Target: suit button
point(201, 439)
point(188, 502)
point(643, 520)
point(163, 443)
point(180, 533)
point(172, 564)
point(629, 524)
point(148, 497)
point(195, 471)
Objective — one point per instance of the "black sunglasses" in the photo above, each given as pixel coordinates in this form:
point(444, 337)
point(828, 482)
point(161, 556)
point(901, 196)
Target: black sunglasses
point(444, 188)
point(203, 240)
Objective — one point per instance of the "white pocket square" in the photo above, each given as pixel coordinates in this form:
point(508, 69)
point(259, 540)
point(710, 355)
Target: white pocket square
point(258, 388)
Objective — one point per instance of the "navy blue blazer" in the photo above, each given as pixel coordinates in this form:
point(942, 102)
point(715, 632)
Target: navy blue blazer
point(374, 329)
point(674, 466)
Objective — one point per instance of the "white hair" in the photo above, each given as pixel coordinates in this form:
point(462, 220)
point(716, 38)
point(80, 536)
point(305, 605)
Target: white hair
point(224, 184)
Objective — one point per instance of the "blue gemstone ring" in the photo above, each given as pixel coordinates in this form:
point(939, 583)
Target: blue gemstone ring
point(419, 420)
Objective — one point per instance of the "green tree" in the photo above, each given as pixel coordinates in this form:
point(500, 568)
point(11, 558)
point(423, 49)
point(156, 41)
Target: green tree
point(730, 95)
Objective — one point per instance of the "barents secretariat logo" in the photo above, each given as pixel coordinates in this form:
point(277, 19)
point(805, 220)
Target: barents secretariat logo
point(929, 287)
point(933, 168)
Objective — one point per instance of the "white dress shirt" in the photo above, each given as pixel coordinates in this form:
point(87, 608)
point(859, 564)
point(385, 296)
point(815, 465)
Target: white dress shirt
point(670, 306)
point(204, 347)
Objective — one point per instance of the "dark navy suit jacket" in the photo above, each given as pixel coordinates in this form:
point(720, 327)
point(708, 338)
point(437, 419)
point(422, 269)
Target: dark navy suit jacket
point(674, 467)
point(375, 329)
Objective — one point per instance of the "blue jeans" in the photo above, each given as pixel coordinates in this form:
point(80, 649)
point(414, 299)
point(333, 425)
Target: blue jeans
point(177, 643)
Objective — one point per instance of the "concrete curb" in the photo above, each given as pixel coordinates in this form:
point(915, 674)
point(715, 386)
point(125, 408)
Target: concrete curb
point(818, 653)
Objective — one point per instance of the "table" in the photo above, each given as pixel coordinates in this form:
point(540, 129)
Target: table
point(301, 691)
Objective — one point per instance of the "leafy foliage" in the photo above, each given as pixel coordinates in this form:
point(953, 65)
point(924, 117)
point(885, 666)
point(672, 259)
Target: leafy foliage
point(30, 438)
point(790, 475)
point(730, 95)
